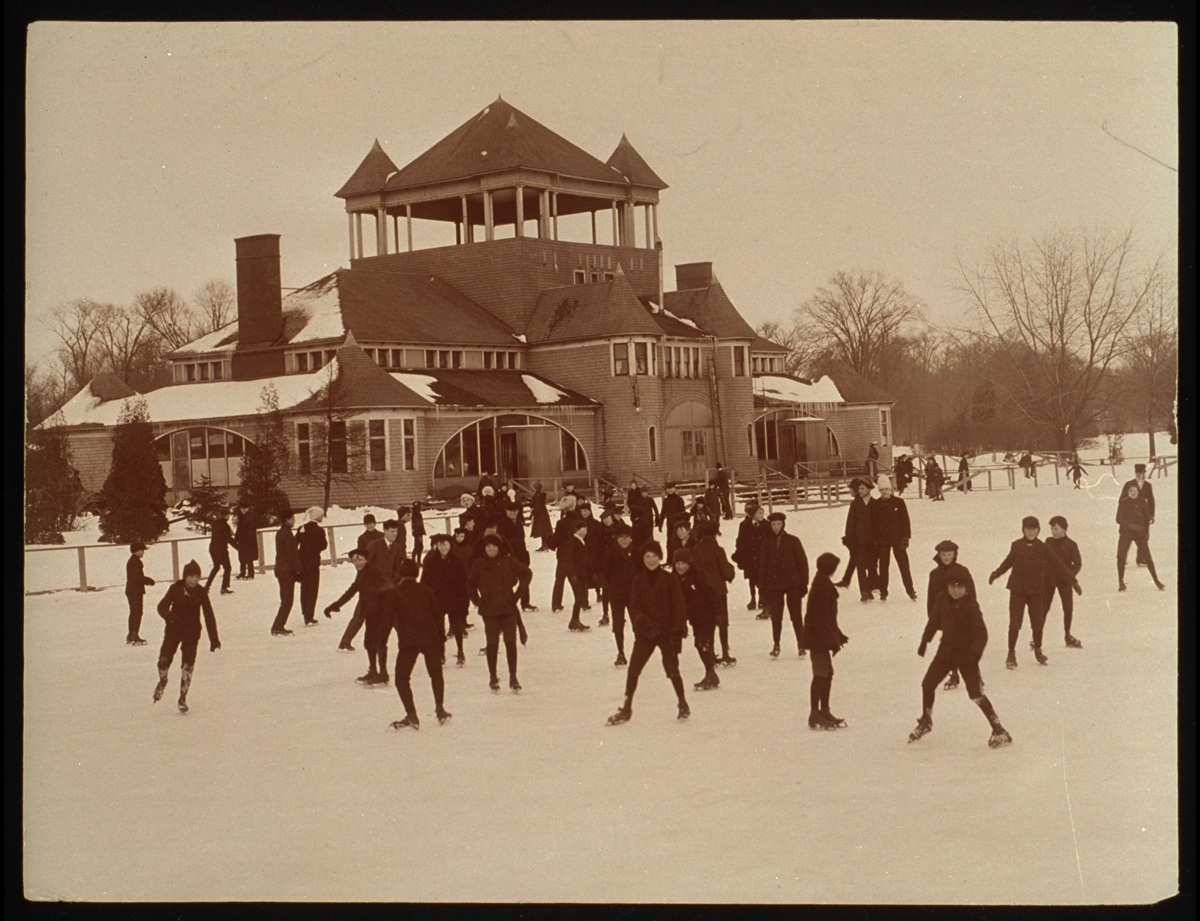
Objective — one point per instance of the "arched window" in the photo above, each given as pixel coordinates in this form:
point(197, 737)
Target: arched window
point(190, 454)
point(513, 445)
point(653, 444)
point(834, 450)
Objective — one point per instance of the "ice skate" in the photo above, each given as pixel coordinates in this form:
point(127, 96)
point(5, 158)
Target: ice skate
point(529, 607)
point(951, 682)
point(1161, 586)
point(752, 605)
point(367, 678)
point(494, 683)
point(835, 722)
point(1040, 656)
point(817, 721)
point(345, 647)
point(159, 688)
point(621, 716)
point(801, 652)
point(409, 722)
point(999, 737)
point(443, 715)
point(604, 621)
point(1120, 586)
point(1011, 661)
point(912, 596)
point(1073, 643)
point(226, 591)
point(513, 683)
point(924, 727)
point(726, 661)
point(135, 641)
point(762, 615)
point(866, 596)
point(620, 660)
point(883, 596)
point(379, 681)
point(708, 683)
point(460, 660)
point(578, 626)
point(684, 710)
point(283, 632)
point(775, 651)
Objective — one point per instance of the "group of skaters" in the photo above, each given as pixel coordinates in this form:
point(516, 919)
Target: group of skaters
point(661, 593)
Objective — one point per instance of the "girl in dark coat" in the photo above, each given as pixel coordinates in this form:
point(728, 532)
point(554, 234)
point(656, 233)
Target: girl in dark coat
point(181, 608)
point(1133, 517)
point(659, 616)
point(443, 572)
point(418, 625)
point(542, 529)
point(745, 550)
point(822, 638)
point(700, 614)
point(495, 584)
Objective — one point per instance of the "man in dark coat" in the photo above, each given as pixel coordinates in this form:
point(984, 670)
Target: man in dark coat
point(418, 626)
point(859, 538)
point(634, 498)
point(575, 561)
point(221, 536)
point(365, 539)
point(1133, 520)
point(1068, 551)
point(714, 573)
point(1033, 567)
point(872, 465)
point(384, 557)
point(367, 585)
point(750, 535)
point(659, 616)
point(945, 556)
point(823, 639)
point(620, 564)
point(600, 539)
point(136, 581)
point(964, 637)
point(724, 492)
point(541, 528)
point(311, 542)
point(783, 575)
point(181, 607)
point(568, 514)
point(964, 474)
point(509, 527)
point(246, 539)
point(495, 584)
point(1145, 494)
point(287, 573)
point(700, 615)
point(446, 576)
point(892, 534)
point(672, 507)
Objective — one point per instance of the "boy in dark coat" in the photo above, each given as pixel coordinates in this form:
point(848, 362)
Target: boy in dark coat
point(964, 637)
point(568, 514)
point(495, 583)
point(672, 507)
point(599, 541)
point(700, 615)
point(1068, 551)
point(365, 539)
point(823, 639)
point(641, 519)
point(575, 563)
point(946, 555)
point(246, 539)
point(745, 550)
point(181, 607)
point(783, 575)
point(1146, 495)
point(418, 626)
point(221, 536)
point(311, 542)
point(446, 577)
point(620, 564)
point(541, 528)
point(287, 573)
point(659, 616)
point(383, 559)
point(367, 585)
point(136, 581)
point(1133, 519)
point(1076, 469)
point(714, 573)
point(679, 535)
point(892, 534)
point(1033, 567)
point(512, 530)
point(859, 539)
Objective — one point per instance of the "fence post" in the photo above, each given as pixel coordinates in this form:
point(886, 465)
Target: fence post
point(792, 490)
point(333, 560)
point(989, 473)
point(1035, 476)
point(1056, 480)
point(175, 560)
point(449, 530)
point(262, 553)
point(83, 586)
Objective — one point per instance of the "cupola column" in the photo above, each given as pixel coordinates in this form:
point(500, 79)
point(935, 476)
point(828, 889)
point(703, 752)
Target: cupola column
point(358, 247)
point(554, 209)
point(649, 239)
point(489, 222)
point(593, 214)
point(381, 232)
point(408, 226)
point(616, 226)
point(467, 236)
point(350, 230)
point(544, 214)
point(520, 228)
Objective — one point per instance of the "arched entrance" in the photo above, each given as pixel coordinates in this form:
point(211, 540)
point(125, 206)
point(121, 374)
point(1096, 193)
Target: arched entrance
point(781, 439)
point(690, 438)
point(517, 445)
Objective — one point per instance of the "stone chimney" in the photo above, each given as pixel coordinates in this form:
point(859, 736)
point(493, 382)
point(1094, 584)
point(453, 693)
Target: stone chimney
point(691, 275)
point(259, 291)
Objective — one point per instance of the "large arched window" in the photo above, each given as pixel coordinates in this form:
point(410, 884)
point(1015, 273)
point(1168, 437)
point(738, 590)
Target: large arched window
point(511, 445)
point(190, 454)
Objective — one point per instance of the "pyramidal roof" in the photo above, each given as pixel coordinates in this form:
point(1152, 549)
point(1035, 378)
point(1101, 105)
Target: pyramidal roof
point(370, 175)
point(501, 137)
point(631, 165)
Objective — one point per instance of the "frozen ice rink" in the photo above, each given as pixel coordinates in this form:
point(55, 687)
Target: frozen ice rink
point(285, 781)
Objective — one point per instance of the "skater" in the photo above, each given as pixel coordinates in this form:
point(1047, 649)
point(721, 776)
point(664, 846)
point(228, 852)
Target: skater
point(218, 549)
point(641, 522)
point(724, 493)
point(714, 573)
point(600, 539)
point(365, 539)
point(964, 637)
point(419, 632)
point(904, 473)
point(750, 535)
point(379, 612)
point(1134, 521)
point(700, 614)
point(510, 528)
point(310, 544)
point(246, 540)
point(1068, 552)
point(495, 583)
point(368, 585)
point(783, 575)
point(541, 528)
point(446, 577)
point(859, 539)
point(936, 477)
point(287, 572)
point(576, 568)
point(872, 465)
point(964, 475)
point(680, 535)
point(1146, 496)
point(672, 507)
point(945, 555)
point(659, 616)
point(823, 639)
point(136, 581)
point(568, 515)
point(1033, 566)
point(181, 607)
point(619, 567)
point(1076, 469)
point(418, 532)
point(404, 516)
point(635, 498)
point(892, 534)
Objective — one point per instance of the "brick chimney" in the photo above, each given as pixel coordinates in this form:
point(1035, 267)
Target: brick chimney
point(692, 275)
point(259, 291)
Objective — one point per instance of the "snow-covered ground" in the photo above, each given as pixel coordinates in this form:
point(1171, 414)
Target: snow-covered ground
point(284, 781)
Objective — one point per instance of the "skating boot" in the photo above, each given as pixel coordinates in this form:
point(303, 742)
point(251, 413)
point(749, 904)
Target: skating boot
point(912, 596)
point(621, 716)
point(513, 683)
point(726, 660)
point(604, 621)
point(924, 727)
point(368, 678)
point(1073, 643)
point(409, 722)
point(802, 653)
point(1011, 661)
point(816, 720)
point(762, 615)
point(951, 682)
point(460, 660)
point(578, 626)
point(1161, 586)
point(1040, 656)
point(345, 647)
point(1120, 586)
point(185, 682)
point(835, 722)
point(443, 715)
point(752, 605)
point(708, 683)
point(283, 632)
point(684, 710)
point(494, 683)
point(775, 651)
point(161, 686)
point(621, 660)
point(999, 738)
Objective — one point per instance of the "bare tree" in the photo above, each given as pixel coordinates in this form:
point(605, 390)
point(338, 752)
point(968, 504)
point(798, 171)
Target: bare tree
point(44, 394)
point(1058, 312)
point(165, 312)
point(129, 346)
point(77, 325)
point(215, 303)
point(803, 353)
point(335, 450)
point(1151, 364)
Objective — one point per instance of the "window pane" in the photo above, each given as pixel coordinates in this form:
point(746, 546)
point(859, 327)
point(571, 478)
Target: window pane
point(216, 443)
point(337, 446)
point(378, 454)
point(217, 371)
point(430, 359)
point(397, 358)
point(453, 454)
point(568, 450)
point(444, 359)
point(302, 431)
point(471, 451)
point(487, 446)
point(233, 445)
point(458, 359)
point(162, 447)
point(653, 445)
point(410, 453)
point(487, 361)
point(191, 372)
point(620, 358)
point(302, 361)
point(639, 356)
point(305, 461)
point(375, 428)
point(197, 443)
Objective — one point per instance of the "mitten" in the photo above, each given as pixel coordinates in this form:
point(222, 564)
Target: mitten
point(921, 649)
point(993, 577)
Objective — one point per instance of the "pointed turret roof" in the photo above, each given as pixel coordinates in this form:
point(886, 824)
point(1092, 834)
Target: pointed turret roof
point(631, 165)
point(501, 137)
point(710, 308)
point(370, 175)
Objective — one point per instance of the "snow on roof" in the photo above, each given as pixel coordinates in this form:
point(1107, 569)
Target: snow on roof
point(218, 338)
point(791, 390)
point(420, 384)
point(77, 410)
point(542, 392)
point(683, 320)
point(521, 338)
point(322, 305)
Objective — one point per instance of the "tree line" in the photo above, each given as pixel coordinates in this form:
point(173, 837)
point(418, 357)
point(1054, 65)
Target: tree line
point(1067, 336)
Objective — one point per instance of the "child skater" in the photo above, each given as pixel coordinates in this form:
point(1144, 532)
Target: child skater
point(659, 616)
point(620, 563)
point(821, 637)
point(946, 556)
point(701, 614)
point(446, 577)
point(418, 627)
point(136, 581)
point(180, 608)
point(1068, 551)
point(964, 637)
point(418, 532)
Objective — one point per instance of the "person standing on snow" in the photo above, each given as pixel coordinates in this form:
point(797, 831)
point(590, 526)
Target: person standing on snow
point(750, 535)
point(310, 544)
point(1134, 521)
point(715, 572)
point(859, 538)
point(823, 639)
point(495, 584)
point(892, 534)
point(945, 556)
point(1068, 551)
point(218, 550)
point(287, 573)
point(783, 576)
point(418, 627)
point(1146, 496)
point(136, 581)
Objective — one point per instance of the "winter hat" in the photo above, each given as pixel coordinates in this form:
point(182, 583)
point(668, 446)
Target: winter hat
point(442, 538)
point(750, 508)
point(567, 503)
point(408, 569)
point(1060, 521)
point(777, 516)
point(946, 545)
point(536, 485)
point(402, 511)
point(487, 491)
point(883, 482)
point(466, 500)
point(581, 524)
point(680, 521)
point(1030, 522)
point(956, 575)
point(620, 527)
point(708, 528)
point(136, 546)
point(827, 563)
point(682, 555)
point(316, 513)
point(651, 546)
point(368, 518)
point(857, 482)
point(391, 523)
point(1139, 468)
point(512, 506)
point(192, 568)
point(462, 531)
point(493, 539)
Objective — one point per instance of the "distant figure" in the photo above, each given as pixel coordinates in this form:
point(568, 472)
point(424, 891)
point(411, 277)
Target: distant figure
point(1076, 469)
point(246, 541)
point(1026, 464)
point(935, 477)
point(873, 460)
point(904, 473)
point(724, 492)
point(542, 529)
point(964, 475)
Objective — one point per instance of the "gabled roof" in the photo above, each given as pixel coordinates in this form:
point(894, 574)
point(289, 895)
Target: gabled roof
point(500, 138)
point(359, 383)
point(594, 311)
point(670, 324)
point(710, 309)
point(104, 388)
point(370, 175)
point(853, 386)
point(766, 345)
point(462, 387)
point(633, 167)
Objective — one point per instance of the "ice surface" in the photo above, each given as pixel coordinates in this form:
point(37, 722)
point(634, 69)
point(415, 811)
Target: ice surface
point(284, 781)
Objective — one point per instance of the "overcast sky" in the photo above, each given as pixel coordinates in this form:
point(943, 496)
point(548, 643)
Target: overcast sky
point(792, 150)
